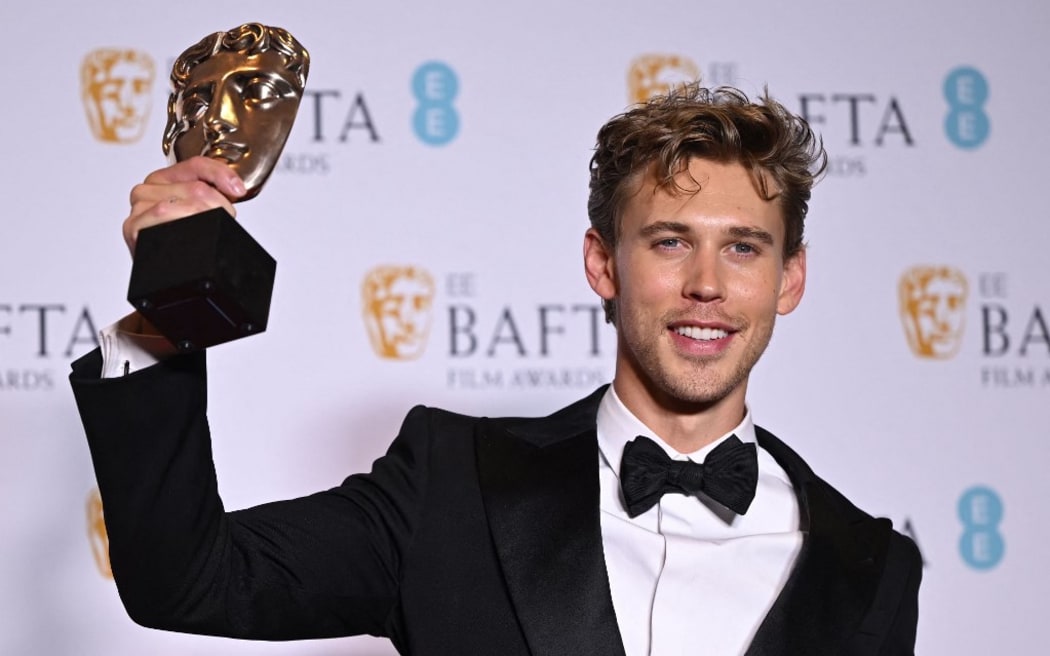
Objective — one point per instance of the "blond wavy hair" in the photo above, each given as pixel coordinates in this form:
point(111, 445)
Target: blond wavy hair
point(660, 136)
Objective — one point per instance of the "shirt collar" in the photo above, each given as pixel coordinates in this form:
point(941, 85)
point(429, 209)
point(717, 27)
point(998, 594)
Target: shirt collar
point(617, 426)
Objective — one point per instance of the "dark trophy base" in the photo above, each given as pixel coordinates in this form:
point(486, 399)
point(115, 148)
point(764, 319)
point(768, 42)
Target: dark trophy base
point(202, 280)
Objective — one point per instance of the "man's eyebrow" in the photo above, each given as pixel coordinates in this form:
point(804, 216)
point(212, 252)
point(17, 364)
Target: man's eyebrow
point(744, 232)
point(659, 227)
point(736, 232)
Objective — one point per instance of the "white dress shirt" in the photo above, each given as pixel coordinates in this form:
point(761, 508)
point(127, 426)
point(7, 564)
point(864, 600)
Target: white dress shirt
point(689, 576)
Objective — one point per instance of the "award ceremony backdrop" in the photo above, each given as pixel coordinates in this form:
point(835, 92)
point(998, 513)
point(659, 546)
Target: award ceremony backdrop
point(427, 219)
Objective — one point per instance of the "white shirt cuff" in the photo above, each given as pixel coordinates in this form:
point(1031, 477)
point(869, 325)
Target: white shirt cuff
point(132, 344)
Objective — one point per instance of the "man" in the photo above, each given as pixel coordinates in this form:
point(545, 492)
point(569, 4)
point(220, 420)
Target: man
point(585, 532)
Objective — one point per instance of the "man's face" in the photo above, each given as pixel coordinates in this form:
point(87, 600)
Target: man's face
point(239, 108)
point(698, 279)
point(118, 95)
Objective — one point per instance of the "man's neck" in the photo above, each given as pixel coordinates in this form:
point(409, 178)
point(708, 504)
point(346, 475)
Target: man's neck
point(686, 426)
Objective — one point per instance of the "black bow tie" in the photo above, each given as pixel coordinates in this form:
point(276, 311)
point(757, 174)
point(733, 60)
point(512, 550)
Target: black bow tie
point(728, 475)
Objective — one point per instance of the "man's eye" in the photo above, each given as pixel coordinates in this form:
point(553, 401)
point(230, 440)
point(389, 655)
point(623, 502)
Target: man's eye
point(670, 242)
point(743, 249)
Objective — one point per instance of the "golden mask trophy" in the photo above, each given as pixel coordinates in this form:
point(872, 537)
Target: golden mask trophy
point(203, 280)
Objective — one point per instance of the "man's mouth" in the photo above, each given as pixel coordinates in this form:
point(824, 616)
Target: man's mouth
point(701, 334)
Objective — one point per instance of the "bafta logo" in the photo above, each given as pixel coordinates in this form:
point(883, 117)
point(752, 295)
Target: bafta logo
point(396, 303)
point(932, 307)
point(116, 87)
point(657, 75)
point(97, 535)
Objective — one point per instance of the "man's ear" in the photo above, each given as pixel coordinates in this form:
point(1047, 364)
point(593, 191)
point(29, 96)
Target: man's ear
point(792, 282)
point(599, 266)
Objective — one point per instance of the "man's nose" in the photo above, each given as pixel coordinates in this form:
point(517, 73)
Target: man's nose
point(705, 279)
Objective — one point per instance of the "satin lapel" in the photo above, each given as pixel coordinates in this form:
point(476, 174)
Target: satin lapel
point(836, 575)
point(541, 497)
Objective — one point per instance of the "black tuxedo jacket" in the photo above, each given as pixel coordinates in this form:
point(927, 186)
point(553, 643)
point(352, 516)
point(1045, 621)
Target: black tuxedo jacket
point(472, 536)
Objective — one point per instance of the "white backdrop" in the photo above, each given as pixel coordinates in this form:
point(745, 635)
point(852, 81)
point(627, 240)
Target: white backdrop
point(933, 114)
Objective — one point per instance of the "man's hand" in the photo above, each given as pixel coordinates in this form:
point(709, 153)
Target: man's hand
point(184, 189)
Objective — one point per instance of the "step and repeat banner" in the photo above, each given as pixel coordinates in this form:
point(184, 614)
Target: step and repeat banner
point(427, 219)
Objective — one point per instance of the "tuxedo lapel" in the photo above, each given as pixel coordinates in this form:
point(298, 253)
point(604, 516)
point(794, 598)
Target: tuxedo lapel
point(539, 482)
point(836, 574)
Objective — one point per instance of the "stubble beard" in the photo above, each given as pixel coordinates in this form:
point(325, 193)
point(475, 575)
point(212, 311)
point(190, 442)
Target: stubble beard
point(676, 378)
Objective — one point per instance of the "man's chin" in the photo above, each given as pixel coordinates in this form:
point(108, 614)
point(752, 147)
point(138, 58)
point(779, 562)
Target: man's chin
point(693, 391)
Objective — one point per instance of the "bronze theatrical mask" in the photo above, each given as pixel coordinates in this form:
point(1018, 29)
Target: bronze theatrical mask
point(234, 97)
point(203, 280)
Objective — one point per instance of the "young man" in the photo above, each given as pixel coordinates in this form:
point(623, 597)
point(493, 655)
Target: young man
point(652, 517)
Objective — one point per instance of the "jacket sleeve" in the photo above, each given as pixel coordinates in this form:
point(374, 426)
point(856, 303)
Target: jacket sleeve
point(319, 566)
point(900, 640)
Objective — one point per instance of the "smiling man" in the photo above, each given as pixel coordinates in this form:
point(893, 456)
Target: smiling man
point(698, 271)
point(652, 517)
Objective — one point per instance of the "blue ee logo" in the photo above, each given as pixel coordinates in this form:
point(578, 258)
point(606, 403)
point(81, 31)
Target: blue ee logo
point(436, 121)
point(966, 91)
point(981, 544)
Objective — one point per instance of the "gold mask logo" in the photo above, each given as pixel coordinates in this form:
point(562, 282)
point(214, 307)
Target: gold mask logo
point(932, 308)
point(657, 75)
point(396, 301)
point(116, 87)
point(96, 527)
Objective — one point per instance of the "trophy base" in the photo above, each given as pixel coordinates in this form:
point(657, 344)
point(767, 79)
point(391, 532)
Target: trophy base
point(202, 280)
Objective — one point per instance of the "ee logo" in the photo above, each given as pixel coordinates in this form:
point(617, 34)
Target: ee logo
point(436, 121)
point(981, 544)
point(966, 91)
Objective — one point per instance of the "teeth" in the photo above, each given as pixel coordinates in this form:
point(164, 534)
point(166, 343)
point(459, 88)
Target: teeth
point(703, 334)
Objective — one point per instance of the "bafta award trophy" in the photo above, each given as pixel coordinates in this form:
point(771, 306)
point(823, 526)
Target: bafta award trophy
point(203, 280)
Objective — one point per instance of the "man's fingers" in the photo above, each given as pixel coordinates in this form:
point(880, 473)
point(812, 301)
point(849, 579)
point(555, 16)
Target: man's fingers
point(198, 191)
point(189, 187)
point(156, 204)
point(214, 172)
